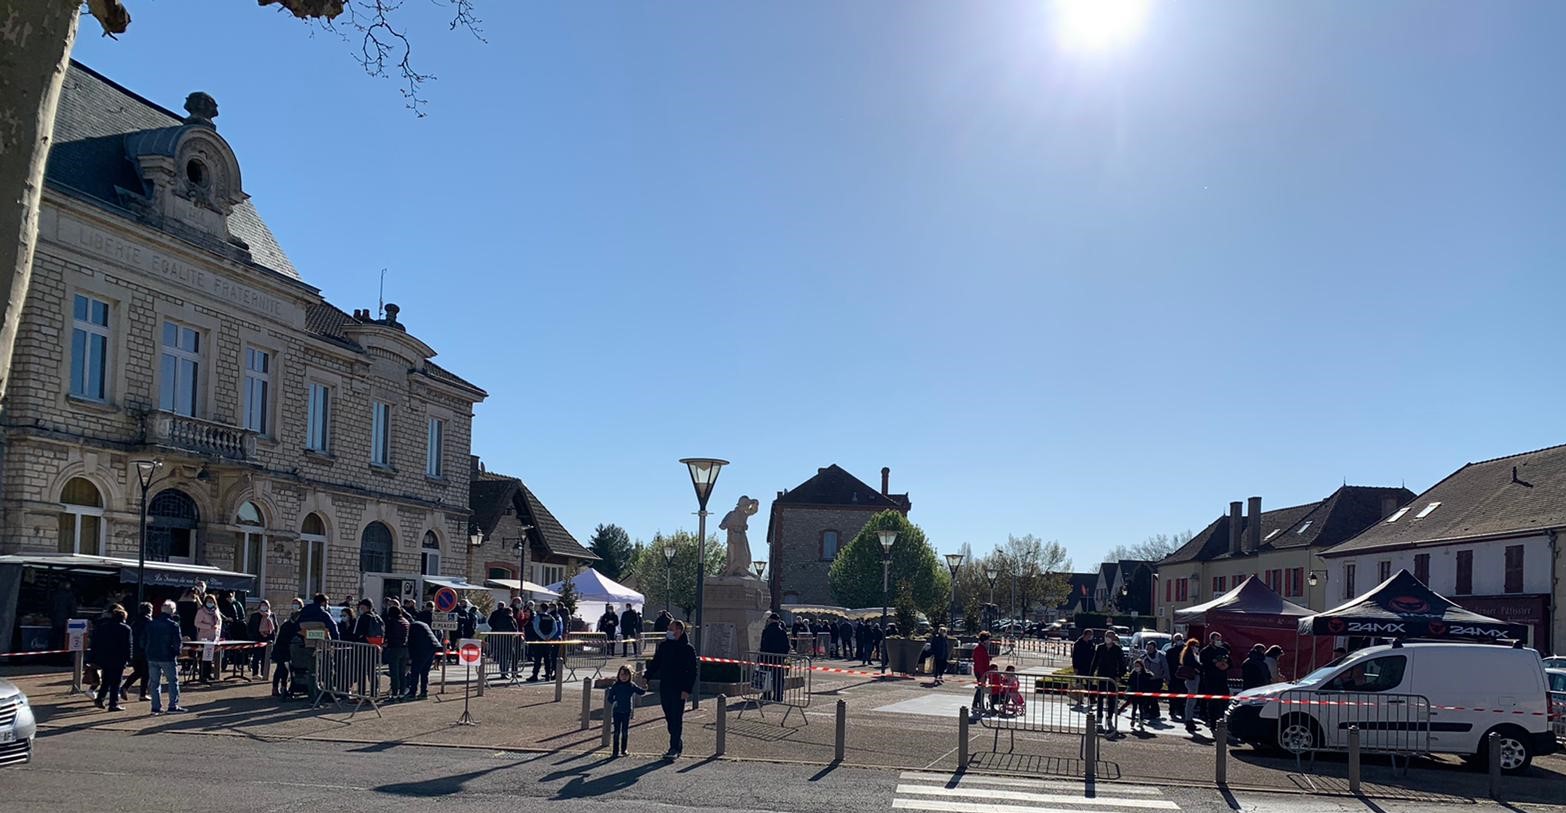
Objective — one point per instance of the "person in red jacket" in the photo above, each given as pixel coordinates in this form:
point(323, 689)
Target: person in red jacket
point(981, 668)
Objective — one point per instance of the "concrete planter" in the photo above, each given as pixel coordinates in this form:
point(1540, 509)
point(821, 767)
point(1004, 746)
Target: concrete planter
point(903, 654)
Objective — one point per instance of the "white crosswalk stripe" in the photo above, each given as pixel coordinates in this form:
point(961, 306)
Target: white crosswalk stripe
point(971, 793)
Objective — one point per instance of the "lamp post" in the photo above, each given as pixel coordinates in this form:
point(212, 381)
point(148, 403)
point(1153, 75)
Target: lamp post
point(704, 475)
point(145, 469)
point(522, 564)
point(953, 562)
point(991, 573)
point(758, 567)
point(668, 575)
point(888, 538)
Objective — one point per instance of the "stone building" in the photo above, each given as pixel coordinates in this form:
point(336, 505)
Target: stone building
point(505, 511)
point(310, 447)
point(810, 523)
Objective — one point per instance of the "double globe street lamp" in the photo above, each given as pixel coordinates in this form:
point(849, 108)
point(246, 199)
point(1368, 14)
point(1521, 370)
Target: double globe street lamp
point(888, 538)
point(953, 563)
point(704, 475)
point(146, 471)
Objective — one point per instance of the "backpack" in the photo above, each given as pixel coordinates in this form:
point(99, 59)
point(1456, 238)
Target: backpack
point(374, 628)
point(546, 625)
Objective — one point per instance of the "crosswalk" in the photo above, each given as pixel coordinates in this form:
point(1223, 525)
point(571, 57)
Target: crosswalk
point(969, 793)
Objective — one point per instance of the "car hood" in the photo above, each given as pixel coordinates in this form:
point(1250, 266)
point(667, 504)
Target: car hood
point(1270, 690)
point(7, 688)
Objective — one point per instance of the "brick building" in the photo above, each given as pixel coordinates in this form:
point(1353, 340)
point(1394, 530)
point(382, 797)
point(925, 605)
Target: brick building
point(810, 523)
point(505, 511)
point(310, 447)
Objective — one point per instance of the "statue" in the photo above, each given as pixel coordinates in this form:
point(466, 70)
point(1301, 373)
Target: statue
point(736, 522)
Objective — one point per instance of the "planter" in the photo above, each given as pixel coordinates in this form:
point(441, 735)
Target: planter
point(903, 654)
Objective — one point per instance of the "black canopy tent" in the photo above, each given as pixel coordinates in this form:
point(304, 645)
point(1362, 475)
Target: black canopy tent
point(1403, 607)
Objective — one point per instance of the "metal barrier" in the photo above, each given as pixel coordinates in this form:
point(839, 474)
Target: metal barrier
point(568, 657)
point(803, 644)
point(594, 650)
point(1311, 722)
point(1558, 715)
point(504, 657)
point(348, 671)
point(648, 643)
point(777, 679)
point(1044, 703)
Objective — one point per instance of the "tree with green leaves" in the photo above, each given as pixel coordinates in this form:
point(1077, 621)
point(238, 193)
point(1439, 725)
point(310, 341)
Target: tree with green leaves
point(673, 584)
point(569, 598)
point(612, 545)
point(856, 573)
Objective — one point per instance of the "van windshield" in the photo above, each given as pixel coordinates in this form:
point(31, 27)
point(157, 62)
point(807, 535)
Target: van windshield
point(1378, 674)
point(1316, 678)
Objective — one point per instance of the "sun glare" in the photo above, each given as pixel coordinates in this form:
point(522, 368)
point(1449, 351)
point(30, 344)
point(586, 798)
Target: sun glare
point(1098, 25)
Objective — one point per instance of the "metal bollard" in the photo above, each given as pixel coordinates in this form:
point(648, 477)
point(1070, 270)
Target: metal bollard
point(1221, 747)
point(587, 701)
point(559, 683)
point(1493, 750)
point(962, 739)
point(1353, 759)
point(1090, 749)
point(78, 670)
point(842, 732)
point(723, 725)
point(481, 681)
point(607, 714)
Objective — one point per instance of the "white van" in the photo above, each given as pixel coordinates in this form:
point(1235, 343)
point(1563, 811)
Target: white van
point(1473, 689)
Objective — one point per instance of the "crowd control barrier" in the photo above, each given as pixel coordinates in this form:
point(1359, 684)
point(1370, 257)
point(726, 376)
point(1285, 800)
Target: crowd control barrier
point(803, 644)
point(1043, 703)
point(503, 659)
point(593, 650)
point(771, 678)
point(1311, 722)
point(1558, 715)
point(568, 658)
point(347, 671)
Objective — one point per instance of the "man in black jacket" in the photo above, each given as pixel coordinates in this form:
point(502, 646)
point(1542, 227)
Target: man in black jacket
point(1215, 677)
point(111, 649)
point(630, 631)
point(674, 666)
point(1109, 661)
point(774, 648)
point(139, 649)
point(422, 646)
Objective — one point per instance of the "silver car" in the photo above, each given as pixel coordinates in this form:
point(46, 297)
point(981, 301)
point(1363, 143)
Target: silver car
point(17, 726)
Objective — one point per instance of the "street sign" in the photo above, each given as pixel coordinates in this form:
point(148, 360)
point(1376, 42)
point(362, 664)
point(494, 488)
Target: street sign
point(443, 622)
point(468, 651)
point(76, 632)
point(446, 600)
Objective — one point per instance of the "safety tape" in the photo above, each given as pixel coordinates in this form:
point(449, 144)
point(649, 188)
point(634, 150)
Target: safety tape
point(36, 652)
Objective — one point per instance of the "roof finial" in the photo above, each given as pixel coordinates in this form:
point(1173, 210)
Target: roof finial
point(202, 109)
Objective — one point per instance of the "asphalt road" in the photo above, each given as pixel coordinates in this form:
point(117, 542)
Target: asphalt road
point(89, 770)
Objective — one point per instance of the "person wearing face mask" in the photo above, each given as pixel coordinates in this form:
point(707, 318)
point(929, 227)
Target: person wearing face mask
point(674, 666)
point(262, 627)
point(209, 627)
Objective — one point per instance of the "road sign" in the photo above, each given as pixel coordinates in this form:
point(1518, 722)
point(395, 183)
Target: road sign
point(443, 622)
point(445, 600)
point(468, 651)
point(76, 632)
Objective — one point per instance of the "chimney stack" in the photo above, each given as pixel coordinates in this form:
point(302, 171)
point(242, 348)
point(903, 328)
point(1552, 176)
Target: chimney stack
point(1253, 525)
point(1234, 528)
point(886, 480)
point(1388, 505)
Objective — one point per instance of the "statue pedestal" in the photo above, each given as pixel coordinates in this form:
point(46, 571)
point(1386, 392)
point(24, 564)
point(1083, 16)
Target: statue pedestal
point(734, 611)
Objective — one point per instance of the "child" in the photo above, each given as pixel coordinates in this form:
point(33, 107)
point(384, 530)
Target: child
point(1138, 682)
point(621, 697)
point(1012, 692)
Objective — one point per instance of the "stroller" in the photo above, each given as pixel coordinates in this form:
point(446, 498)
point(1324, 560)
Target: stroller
point(1005, 695)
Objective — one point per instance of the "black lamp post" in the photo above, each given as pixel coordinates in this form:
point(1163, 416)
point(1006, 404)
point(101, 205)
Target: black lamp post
point(145, 471)
point(704, 475)
point(668, 575)
point(888, 538)
point(521, 545)
point(991, 573)
point(953, 563)
point(758, 567)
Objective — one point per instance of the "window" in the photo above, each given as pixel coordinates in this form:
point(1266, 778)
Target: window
point(435, 440)
point(1169, 591)
point(250, 556)
point(172, 520)
point(1272, 533)
point(1373, 675)
point(1465, 572)
point(1274, 580)
point(1383, 570)
point(1303, 528)
point(1348, 581)
point(1294, 584)
point(1218, 586)
point(552, 574)
point(318, 420)
point(375, 548)
point(380, 433)
point(1514, 568)
point(312, 555)
point(1422, 567)
point(1183, 589)
point(1427, 509)
point(829, 545)
point(81, 518)
point(89, 348)
point(1397, 515)
point(181, 369)
point(499, 573)
point(429, 555)
point(258, 386)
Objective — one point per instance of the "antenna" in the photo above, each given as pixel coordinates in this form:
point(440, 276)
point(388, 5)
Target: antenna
point(380, 305)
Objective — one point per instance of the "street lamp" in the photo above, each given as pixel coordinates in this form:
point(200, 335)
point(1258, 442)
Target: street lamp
point(953, 561)
point(668, 575)
point(758, 567)
point(991, 573)
point(1316, 577)
point(704, 475)
point(145, 469)
point(888, 538)
point(521, 546)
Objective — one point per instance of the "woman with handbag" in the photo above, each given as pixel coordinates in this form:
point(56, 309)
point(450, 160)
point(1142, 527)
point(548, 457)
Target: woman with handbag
point(1189, 673)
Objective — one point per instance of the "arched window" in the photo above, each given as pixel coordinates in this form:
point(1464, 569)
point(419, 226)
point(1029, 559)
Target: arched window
point(829, 545)
point(500, 573)
point(81, 518)
point(250, 552)
point(312, 555)
point(375, 548)
point(429, 555)
point(172, 520)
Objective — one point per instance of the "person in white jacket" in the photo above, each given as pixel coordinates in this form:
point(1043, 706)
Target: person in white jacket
point(209, 627)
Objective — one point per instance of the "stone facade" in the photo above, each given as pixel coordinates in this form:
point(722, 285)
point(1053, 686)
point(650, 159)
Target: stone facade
point(833, 506)
point(164, 263)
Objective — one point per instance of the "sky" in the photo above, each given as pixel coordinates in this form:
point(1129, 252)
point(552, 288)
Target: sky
point(1087, 293)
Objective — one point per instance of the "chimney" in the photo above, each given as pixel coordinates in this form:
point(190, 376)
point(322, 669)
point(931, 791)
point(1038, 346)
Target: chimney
point(1388, 505)
point(886, 480)
point(1234, 528)
point(1253, 525)
point(475, 465)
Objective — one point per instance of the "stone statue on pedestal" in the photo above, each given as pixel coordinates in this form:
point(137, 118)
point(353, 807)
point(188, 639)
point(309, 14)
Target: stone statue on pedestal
point(736, 522)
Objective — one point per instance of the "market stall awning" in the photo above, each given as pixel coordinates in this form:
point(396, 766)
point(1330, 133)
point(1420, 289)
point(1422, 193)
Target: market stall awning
point(1250, 597)
point(525, 587)
point(1403, 607)
point(159, 574)
point(460, 585)
point(594, 586)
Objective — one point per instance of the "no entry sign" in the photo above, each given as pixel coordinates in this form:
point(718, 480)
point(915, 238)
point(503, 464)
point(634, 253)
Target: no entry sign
point(468, 652)
point(445, 599)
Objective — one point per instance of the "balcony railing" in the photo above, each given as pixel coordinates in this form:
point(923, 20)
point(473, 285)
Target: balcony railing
point(207, 438)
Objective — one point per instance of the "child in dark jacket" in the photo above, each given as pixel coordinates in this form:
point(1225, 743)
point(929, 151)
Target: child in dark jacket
point(1138, 682)
point(621, 697)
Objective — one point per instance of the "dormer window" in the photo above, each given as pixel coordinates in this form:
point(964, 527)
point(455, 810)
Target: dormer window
point(196, 173)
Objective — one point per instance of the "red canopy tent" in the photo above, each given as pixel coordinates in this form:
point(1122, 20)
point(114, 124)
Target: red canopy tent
point(1253, 613)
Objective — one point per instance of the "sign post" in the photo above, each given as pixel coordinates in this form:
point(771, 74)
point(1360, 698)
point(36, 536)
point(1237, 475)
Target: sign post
point(76, 635)
point(468, 652)
point(443, 623)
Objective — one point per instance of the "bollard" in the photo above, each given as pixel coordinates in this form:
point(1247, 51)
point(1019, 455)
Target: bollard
point(1221, 747)
point(1353, 759)
point(842, 731)
point(607, 714)
point(1492, 743)
point(1090, 749)
point(481, 681)
point(723, 725)
point(587, 701)
point(559, 683)
point(78, 670)
point(962, 739)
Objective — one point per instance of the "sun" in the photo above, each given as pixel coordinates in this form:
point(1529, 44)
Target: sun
point(1099, 25)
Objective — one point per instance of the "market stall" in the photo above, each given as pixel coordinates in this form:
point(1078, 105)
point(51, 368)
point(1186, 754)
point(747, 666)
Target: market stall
point(1253, 613)
point(1404, 607)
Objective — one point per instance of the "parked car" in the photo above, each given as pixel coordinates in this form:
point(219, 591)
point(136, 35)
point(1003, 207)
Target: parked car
point(1465, 683)
point(1555, 662)
point(1140, 638)
point(17, 726)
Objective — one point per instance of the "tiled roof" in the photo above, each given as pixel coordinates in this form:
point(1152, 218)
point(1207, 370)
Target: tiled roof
point(89, 159)
point(490, 494)
point(1345, 512)
point(835, 486)
point(1519, 494)
point(440, 373)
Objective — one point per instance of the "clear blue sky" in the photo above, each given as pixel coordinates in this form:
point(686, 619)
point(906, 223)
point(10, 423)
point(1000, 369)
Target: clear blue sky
point(1260, 249)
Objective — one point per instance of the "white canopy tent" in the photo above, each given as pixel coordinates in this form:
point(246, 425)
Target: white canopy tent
point(532, 590)
point(594, 590)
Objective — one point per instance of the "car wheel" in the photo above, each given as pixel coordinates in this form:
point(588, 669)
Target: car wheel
point(1298, 733)
point(1516, 756)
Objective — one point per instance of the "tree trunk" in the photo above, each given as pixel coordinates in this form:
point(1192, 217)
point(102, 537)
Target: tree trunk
point(35, 48)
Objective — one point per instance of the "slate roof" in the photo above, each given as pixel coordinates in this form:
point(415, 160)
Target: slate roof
point(1075, 582)
point(835, 486)
point(1507, 496)
point(89, 160)
point(489, 494)
point(1341, 515)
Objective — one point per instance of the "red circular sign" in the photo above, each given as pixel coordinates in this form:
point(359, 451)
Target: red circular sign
point(469, 653)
